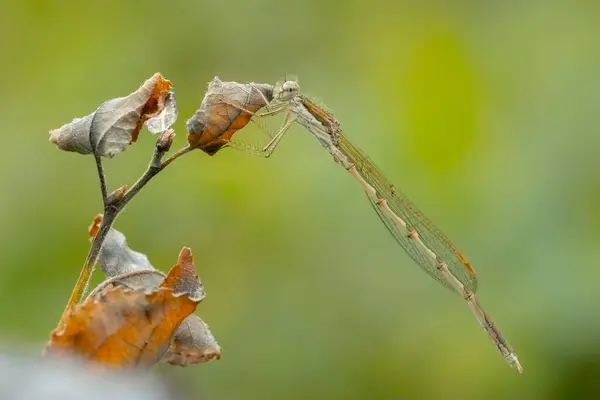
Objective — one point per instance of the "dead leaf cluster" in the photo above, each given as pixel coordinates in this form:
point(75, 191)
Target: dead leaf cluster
point(138, 315)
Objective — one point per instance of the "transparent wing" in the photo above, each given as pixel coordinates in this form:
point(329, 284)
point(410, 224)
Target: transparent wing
point(430, 235)
point(426, 263)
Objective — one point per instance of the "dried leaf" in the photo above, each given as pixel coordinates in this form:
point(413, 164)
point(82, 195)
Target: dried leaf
point(122, 327)
point(193, 342)
point(215, 122)
point(182, 278)
point(116, 258)
point(117, 122)
point(145, 279)
point(166, 118)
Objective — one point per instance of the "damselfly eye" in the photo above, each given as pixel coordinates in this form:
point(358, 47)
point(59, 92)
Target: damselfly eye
point(290, 87)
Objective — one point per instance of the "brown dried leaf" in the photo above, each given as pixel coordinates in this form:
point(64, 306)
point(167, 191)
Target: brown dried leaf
point(193, 342)
point(182, 278)
point(215, 122)
point(121, 327)
point(117, 122)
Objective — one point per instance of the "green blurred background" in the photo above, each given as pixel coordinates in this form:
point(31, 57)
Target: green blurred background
point(484, 113)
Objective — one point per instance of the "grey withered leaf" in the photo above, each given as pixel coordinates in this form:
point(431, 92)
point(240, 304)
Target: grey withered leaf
point(116, 258)
point(117, 122)
point(192, 342)
point(215, 122)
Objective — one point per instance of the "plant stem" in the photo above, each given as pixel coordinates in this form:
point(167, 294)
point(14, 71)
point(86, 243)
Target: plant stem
point(175, 156)
point(153, 168)
point(111, 212)
point(88, 267)
point(102, 179)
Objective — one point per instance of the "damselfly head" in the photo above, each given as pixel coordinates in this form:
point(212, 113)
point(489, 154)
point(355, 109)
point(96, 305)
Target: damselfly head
point(290, 88)
point(285, 90)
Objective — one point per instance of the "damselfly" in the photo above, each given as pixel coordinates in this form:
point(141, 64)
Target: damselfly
point(421, 240)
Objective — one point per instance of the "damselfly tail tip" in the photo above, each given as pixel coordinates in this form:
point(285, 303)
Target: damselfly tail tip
point(518, 367)
point(513, 361)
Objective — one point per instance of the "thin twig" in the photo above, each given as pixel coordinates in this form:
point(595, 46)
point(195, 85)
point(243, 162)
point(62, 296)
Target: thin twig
point(175, 156)
point(99, 161)
point(111, 212)
point(102, 178)
point(87, 269)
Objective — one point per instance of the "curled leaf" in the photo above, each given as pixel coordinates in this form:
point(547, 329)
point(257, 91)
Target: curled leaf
point(181, 279)
point(166, 117)
point(145, 279)
point(117, 122)
point(116, 258)
point(193, 341)
point(220, 116)
point(121, 327)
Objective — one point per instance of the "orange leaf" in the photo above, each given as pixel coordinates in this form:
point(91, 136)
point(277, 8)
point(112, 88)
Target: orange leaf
point(193, 341)
point(182, 278)
point(121, 327)
point(215, 122)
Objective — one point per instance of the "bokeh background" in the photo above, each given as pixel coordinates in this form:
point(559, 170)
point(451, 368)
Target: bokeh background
point(484, 113)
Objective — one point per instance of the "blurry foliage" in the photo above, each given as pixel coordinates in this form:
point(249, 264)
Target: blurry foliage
point(484, 113)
